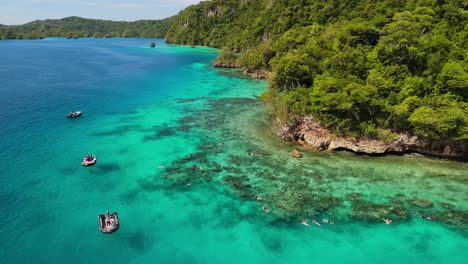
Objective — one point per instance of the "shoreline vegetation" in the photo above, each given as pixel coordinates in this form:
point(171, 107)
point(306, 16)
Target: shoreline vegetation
point(375, 77)
point(382, 77)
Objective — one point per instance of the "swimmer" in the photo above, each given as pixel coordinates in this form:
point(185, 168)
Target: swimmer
point(250, 153)
point(387, 221)
point(415, 213)
point(194, 165)
point(161, 166)
point(257, 197)
point(331, 223)
point(304, 222)
point(325, 220)
point(201, 168)
point(315, 222)
point(189, 184)
point(266, 210)
point(428, 217)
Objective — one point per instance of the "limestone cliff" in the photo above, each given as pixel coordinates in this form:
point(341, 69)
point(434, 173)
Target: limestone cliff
point(310, 133)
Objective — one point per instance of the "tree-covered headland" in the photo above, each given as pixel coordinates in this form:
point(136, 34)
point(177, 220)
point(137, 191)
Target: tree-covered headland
point(77, 27)
point(363, 68)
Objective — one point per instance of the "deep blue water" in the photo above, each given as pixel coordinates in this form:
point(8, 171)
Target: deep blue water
point(144, 107)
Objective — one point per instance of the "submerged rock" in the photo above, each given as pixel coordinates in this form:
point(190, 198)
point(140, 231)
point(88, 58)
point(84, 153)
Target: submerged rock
point(421, 202)
point(375, 212)
point(239, 184)
point(296, 154)
point(455, 218)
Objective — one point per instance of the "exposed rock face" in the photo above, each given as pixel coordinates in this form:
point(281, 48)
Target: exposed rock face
point(256, 74)
point(221, 64)
point(311, 133)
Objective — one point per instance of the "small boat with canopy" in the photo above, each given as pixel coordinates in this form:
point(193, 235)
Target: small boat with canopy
point(89, 160)
point(74, 114)
point(108, 223)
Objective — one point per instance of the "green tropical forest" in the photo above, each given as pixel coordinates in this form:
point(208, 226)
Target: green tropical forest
point(77, 27)
point(363, 68)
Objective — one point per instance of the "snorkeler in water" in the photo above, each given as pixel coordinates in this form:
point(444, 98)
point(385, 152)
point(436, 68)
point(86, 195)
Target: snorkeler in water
point(315, 222)
point(266, 210)
point(257, 197)
point(387, 221)
point(428, 217)
point(304, 222)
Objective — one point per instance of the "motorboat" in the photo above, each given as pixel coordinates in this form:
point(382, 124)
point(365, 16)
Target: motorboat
point(108, 223)
point(74, 114)
point(89, 160)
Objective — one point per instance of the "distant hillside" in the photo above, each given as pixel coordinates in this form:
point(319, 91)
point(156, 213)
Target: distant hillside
point(74, 27)
point(363, 68)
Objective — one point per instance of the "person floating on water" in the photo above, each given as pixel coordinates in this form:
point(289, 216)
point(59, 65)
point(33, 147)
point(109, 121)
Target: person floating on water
point(189, 183)
point(304, 222)
point(257, 197)
point(162, 166)
point(428, 217)
point(266, 210)
point(387, 221)
point(315, 222)
point(325, 220)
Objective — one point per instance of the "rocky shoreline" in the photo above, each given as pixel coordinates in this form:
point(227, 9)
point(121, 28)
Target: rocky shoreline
point(310, 133)
point(256, 74)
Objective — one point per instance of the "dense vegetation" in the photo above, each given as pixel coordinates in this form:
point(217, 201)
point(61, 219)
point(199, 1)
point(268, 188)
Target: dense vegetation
point(75, 27)
point(363, 68)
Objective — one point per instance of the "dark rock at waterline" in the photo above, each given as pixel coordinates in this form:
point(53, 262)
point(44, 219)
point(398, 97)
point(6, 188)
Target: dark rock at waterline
point(152, 44)
point(421, 202)
point(375, 212)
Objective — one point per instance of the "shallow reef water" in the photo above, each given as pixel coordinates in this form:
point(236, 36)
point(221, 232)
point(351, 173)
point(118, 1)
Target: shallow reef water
point(182, 150)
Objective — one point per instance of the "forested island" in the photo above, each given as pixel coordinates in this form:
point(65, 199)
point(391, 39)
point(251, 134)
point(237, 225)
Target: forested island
point(77, 27)
point(392, 73)
point(395, 71)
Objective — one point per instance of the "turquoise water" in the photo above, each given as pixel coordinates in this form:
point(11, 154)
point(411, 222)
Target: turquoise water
point(145, 107)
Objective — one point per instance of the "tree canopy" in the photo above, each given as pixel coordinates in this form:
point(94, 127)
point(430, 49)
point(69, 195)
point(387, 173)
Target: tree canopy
point(75, 27)
point(363, 68)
